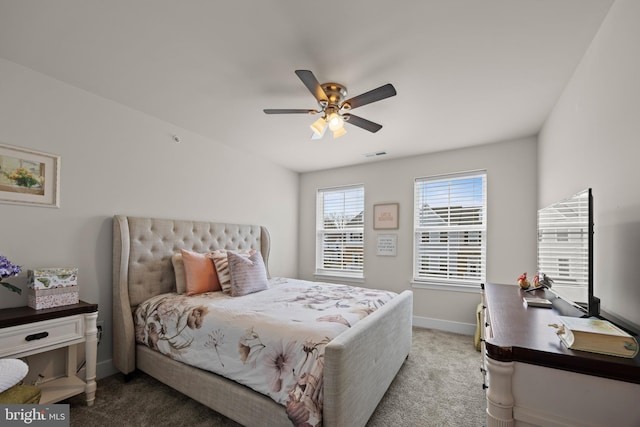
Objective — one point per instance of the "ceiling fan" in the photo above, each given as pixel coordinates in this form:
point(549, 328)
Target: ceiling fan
point(334, 108)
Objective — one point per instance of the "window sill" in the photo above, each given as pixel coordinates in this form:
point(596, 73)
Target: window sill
point(332, 277)
point(447, 287)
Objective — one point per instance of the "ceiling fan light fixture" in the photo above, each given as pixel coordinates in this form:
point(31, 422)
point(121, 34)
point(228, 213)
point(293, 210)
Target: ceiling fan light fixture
point(339, 132)
point(335, 122)
point(318, 126)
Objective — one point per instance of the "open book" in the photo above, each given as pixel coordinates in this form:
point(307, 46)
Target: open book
point(596, 336)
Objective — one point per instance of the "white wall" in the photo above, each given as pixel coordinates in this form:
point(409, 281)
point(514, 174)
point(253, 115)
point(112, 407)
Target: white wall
point(116, 160)
point(591, 139)
point(511, 197)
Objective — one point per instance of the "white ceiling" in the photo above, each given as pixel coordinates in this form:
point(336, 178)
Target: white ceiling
point(467, 72)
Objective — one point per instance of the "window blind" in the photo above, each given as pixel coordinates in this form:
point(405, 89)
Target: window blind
point(340, 231)
point(450, 229)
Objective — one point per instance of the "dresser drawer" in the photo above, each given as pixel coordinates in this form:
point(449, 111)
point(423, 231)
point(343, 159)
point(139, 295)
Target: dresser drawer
point(29, 338)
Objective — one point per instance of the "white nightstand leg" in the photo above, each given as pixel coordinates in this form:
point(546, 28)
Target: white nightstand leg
point(91, 354)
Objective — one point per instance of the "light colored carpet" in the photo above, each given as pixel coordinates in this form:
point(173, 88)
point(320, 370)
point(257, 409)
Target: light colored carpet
point(439, 385)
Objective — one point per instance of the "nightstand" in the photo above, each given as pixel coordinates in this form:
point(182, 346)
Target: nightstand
point(25, 331)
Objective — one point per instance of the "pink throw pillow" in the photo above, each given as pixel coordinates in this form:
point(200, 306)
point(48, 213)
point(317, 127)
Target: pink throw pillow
point(199, 272)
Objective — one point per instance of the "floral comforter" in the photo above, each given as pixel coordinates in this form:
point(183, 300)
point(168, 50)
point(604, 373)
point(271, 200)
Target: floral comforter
point(271, 341)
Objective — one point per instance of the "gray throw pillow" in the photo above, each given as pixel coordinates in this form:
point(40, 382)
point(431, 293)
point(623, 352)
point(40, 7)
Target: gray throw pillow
point(248, 275)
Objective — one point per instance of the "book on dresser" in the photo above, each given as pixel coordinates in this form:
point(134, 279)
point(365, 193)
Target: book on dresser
point(596, 336)
point(537, 302)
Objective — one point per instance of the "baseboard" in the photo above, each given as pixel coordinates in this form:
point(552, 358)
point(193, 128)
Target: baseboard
point(444, 325)
point(103, 369)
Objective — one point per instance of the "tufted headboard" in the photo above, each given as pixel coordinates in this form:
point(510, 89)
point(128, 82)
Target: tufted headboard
point(142, 250)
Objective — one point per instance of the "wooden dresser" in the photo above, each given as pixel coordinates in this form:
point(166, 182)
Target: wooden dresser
point(532, 379)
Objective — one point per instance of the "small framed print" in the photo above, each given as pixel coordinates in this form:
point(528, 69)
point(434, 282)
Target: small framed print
point(387, 244)
point(385, 216)
point(29, 177)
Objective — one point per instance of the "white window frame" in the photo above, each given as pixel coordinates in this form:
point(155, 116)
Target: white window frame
point(453, 275)
point(347, 271)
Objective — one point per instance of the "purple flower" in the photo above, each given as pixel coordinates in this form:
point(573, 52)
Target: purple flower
point(7, 269)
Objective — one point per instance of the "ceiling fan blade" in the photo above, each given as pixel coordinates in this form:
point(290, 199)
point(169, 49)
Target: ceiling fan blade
point(288, 111)
point(373, 95)
point(312, 84)
point(362, 123)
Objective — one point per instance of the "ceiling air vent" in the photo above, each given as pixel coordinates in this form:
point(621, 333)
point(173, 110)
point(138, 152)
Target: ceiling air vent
point(376, 154)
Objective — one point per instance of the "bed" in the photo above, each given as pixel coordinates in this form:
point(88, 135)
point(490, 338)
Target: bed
point(359, 364)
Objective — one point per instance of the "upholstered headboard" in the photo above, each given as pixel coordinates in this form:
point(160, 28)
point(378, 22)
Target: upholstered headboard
point(142, 250)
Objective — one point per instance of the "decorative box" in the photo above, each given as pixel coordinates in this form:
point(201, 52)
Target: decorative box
point(52, 287)
point(55, 297)
point(47, 278)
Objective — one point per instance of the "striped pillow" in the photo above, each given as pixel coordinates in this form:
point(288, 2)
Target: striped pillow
point(248, 275)
point(221, 263)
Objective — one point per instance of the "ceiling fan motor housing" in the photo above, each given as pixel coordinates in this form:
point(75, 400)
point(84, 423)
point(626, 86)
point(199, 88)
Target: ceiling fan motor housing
point(336, 93)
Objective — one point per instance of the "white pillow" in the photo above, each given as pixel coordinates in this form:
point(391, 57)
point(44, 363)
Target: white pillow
point(178, 268)
point(12, 371)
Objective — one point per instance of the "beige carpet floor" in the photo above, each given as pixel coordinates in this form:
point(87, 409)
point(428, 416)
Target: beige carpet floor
point(439, 385)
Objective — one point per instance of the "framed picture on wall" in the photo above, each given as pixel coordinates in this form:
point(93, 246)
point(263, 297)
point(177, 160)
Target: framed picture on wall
point(387, 244)
point(29, 177)
point(385, 216)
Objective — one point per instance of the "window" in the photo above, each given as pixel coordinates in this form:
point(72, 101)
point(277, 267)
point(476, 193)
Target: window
point(450, 228)
point(340, 231)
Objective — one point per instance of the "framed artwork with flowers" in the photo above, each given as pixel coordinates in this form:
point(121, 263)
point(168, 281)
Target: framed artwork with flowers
point(29, 177)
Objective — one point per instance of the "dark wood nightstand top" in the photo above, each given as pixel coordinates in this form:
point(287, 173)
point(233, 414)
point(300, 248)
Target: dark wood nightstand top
point(21, 315)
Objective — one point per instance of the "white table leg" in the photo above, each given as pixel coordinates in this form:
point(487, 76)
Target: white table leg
point(91, 354)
